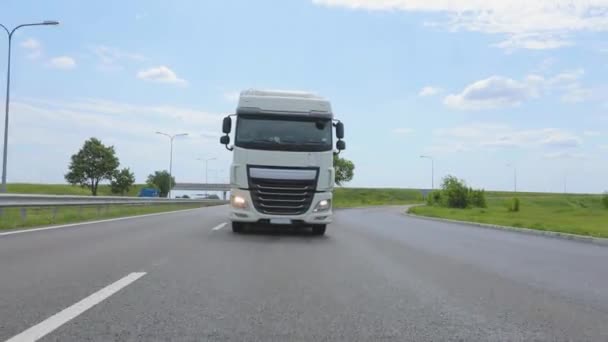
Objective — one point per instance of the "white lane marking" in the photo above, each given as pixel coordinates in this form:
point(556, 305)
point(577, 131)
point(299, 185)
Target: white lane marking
point(94, 222)
point(43, 328)
point(219, 226)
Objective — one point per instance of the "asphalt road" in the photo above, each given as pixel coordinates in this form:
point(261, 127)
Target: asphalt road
point(376, 275)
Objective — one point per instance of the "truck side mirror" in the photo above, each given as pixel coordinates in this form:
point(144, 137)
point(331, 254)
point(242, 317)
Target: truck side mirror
point(225, 140)
point(340, 145)
point(227, 125)
point(340, 130)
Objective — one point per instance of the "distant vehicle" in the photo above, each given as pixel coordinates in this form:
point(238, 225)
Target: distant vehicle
point(149, 192)
point(282, 168)
point(203, 196)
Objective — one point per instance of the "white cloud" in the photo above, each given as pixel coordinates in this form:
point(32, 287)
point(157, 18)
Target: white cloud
point(58, 128)
point(576, 93)
point(500, 92)
point(429, 91)
point(161, 74)
point(33, 46)
point(211, 134)
point(34, 54)
point(567, 77)
point(447, 147)
point(565, 155)
point(603, 147)
point(499, 135)
point(109, 56)
point(538, 24)
point(547, 64)
point(402, 131)
point(591, 133)
point(472, 131)
point(535, 42)
point(232, 96)
point(568, 82)
point(559, 138)
point(490, 93)
point(62, 62)
point(104, 108)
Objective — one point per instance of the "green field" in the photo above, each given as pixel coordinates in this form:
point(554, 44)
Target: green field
point(36, 217)
point(565, 213)
point(361, 197)
point(11, 218)
point(343, 197)
point(64, 189)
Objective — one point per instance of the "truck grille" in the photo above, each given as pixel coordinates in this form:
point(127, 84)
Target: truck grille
point(282, 197)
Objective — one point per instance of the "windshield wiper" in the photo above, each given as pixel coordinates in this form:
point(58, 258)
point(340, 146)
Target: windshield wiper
point(266, 141)
point(293, 142)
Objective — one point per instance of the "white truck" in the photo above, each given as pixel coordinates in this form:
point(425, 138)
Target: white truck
point(282, 169)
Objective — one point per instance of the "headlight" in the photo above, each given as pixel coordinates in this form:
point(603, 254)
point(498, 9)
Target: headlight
point(323, 205)
point(238, 202)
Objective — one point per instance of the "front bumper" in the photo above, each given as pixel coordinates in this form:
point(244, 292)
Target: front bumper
point(251, 215)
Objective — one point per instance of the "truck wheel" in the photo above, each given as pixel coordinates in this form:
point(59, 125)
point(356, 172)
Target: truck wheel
point(318, 229)
point(238, 227)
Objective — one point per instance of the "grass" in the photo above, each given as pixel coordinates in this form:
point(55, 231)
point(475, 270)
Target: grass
point(574, 214)
point(12, 219)
point(343, 197)
point(360, 197)
point(65, 189)
point(565, 213)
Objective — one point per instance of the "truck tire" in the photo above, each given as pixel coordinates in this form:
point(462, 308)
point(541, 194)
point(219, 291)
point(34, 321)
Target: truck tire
point(318, 229)
point(238, 227)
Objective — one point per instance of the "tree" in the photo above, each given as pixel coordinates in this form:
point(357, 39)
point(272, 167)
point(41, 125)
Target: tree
point(477, 198)
point(455, 192)
point(122, 181)
point(94, 163)
point(160, 180)
point(344, 170)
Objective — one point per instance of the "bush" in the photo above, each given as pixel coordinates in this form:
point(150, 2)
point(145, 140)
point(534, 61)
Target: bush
point(454, 192)
point(605, 200)
point(477, 198)
point(433, 198)
point(514, 205)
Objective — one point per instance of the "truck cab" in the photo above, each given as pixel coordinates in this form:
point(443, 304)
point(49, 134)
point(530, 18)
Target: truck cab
point(282, 169)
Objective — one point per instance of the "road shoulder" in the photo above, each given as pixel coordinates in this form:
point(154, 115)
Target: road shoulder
point(86, 223)
point(558, 235)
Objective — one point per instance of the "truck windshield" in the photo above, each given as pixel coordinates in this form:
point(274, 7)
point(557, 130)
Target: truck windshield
point(281, 133)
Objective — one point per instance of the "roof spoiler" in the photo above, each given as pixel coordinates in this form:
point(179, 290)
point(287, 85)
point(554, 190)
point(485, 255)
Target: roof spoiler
point(255, 110)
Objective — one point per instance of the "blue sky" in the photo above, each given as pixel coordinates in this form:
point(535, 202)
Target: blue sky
point(477, 85)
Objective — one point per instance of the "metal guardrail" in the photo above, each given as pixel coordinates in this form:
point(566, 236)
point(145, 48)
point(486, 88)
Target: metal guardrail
point(32, 201)
point(202, 186)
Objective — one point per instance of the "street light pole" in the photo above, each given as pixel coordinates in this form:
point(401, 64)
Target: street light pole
point(8, 92)
point(432, 170)
point(171, 137)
